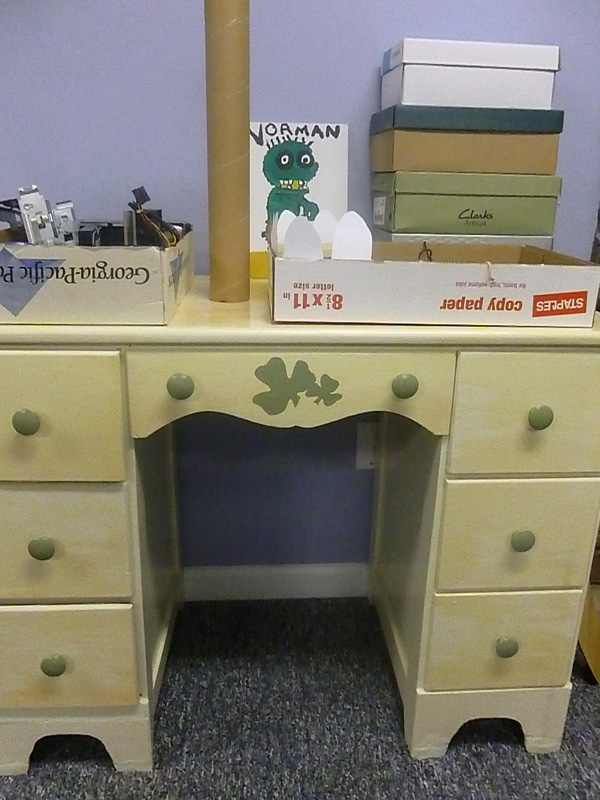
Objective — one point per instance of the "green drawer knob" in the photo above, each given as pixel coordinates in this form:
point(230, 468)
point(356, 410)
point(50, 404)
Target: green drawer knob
point(540, 417)
point(405, 386)
point(522, 541)
point(41, 549)
point(506, 647)
point(53, 666)
point(26, 422)
point(180, 386)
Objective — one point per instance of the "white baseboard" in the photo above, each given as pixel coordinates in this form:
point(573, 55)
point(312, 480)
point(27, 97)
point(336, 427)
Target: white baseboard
point(275, 582)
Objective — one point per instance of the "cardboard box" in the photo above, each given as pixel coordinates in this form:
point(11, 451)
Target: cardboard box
point(479, 74)
point(6, 235)
point(490, 54)
point(545, 242)
point(73, 285)
point(453, 151)
point(452, 202)
point(463, 285)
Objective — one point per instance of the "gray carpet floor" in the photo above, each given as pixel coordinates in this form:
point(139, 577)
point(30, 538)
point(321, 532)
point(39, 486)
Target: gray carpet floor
point(296, 700)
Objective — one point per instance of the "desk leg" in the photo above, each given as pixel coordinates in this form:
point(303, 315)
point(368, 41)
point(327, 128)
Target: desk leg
point(410, 491)
point(432, 719)
point(127, 736)
point(155, 529)
point(126, 732)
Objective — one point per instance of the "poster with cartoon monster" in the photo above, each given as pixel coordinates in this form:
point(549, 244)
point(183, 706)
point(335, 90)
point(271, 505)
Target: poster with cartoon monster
point(300, 167)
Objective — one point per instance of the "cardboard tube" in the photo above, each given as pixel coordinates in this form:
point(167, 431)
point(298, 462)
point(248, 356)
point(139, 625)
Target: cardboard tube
point(228, 122)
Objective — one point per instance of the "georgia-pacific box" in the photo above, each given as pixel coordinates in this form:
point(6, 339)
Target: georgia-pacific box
point(75, 285)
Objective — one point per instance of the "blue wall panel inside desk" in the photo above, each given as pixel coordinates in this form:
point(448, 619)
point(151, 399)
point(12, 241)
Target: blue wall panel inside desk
point(255, 495)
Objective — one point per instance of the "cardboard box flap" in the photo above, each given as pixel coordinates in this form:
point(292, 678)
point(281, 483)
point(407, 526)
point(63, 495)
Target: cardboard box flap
point(445, 253)
point(457, 118)
point(467, 183)
point(478, 54)
point(538, 255)
point(468, 253)
point(545, 242)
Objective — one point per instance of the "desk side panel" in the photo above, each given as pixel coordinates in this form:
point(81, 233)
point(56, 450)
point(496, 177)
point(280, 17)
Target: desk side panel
point(406, 529)
point(159, 553)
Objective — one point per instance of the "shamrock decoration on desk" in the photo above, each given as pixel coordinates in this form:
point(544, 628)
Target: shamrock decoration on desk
point(283, 389)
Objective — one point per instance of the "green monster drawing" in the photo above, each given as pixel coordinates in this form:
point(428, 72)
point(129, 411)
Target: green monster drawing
point(289, 166)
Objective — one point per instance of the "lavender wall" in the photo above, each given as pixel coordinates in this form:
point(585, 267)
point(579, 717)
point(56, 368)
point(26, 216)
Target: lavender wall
point(100, 97)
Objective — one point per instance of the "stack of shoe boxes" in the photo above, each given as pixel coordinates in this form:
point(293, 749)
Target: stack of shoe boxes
point(465, 147)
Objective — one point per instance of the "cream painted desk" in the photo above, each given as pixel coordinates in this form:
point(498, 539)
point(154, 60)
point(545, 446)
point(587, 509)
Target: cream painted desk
point(485, 515)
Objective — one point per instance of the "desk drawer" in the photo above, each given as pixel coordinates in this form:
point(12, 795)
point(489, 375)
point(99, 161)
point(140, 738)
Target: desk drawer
point(497, 395)
point(517, 534)
point(94, 645)
point(68, 408)
point(64, 542)
point(466, 629)
point(286, 389)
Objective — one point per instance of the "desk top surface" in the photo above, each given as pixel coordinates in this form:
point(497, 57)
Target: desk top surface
point(199, 321)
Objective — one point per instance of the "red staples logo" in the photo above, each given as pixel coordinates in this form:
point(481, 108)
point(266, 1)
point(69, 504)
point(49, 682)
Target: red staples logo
point(554, 305)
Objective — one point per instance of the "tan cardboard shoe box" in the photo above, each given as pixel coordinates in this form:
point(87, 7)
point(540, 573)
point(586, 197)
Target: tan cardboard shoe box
point(464, 151)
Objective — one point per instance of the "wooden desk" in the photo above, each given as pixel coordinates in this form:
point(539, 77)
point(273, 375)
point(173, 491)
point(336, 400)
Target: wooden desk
point(483, 531)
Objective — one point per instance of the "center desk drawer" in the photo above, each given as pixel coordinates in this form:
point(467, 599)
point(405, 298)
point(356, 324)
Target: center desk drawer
point(526, 412)
point(61, 416)
point(285, 388)
point(67, 656)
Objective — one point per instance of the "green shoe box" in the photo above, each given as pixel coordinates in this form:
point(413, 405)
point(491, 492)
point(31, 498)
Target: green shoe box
point(447, 139)
point(476, 203)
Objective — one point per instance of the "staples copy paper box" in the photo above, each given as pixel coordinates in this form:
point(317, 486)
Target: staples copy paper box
point(74, 285)
point(473, 284)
